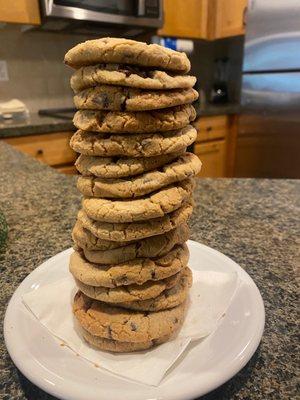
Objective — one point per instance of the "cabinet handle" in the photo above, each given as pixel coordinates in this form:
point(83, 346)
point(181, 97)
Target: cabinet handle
point(209, 129)
point(245, 17)
point(40, 152)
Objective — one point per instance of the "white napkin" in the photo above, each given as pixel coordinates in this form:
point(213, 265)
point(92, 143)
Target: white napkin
point(210, 297)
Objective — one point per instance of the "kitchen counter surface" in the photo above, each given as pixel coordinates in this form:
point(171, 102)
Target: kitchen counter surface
point(253, 221)
point(37, 124)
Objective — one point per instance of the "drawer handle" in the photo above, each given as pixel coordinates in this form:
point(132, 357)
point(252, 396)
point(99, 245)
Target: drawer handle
point(209, 129)
point(40, 152)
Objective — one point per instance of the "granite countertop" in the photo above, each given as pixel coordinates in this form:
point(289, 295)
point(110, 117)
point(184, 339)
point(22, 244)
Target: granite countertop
point(253, 221)
point(37, 124)
point(34, 125)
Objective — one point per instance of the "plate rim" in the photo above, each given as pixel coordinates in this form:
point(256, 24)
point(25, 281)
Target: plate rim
point(194, 391)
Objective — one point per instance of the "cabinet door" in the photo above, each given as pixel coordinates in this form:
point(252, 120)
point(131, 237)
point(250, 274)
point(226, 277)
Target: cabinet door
point(212, 156)
point(226, 18)
point(20, 12)
point(186, 18)
point(209, 128)
point(52, 149)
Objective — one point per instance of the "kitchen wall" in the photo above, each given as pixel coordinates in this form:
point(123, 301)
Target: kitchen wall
point(203, 65)
point(36, 71)
point(38, 76)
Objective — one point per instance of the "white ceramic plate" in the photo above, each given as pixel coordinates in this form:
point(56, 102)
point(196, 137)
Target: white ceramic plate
point(206, 365)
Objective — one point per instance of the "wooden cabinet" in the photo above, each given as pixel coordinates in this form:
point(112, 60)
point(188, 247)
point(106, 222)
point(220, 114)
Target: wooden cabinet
point(226, 18)
point(20, 12)
point(52, 149)
point(210, 128)
point(203, 19)
point(186, 18)
point(216, 144)
point(213, 157)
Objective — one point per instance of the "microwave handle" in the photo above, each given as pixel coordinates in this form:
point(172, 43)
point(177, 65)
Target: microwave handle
point(141, 8)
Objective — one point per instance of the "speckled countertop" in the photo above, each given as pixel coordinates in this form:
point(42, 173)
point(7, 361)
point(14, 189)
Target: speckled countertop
point(34, 125)
point(253, 221)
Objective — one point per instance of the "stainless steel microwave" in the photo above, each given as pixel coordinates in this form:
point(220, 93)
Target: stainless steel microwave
point(118, 17)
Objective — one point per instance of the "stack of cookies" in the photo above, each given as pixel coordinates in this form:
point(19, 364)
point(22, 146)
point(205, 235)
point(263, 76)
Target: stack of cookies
point(130, 259)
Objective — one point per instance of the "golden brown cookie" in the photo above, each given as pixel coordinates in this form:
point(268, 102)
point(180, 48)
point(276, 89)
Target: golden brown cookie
point(137, 271)
point(154, 205)
point(136, 230)
point(118, 98)
point(121, 347)
point(133, 292)
point(168, 299)
point(116, 323)
point(134, 145)
point(126, 51)
point(130, 76)
point(120, 167)
point(135, 121)
point(186, 166)
point(108, 252)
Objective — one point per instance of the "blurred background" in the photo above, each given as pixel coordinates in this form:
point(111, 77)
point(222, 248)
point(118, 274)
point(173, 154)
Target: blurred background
point(245, 54)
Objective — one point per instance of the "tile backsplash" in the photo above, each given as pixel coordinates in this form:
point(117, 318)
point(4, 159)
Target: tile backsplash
point(38, 77)
point(36, 72)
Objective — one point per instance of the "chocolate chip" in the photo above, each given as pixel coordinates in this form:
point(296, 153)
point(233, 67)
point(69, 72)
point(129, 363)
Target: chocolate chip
point(133, 326)
point(153, 275)
point(109, 331)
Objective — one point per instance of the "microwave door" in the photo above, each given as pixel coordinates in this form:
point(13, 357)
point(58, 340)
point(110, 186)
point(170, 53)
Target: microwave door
point(123, 12)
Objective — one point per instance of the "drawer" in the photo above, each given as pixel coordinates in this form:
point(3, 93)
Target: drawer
point(51, 149)
point(213, 158)
point(69, 169)
point(210, 128)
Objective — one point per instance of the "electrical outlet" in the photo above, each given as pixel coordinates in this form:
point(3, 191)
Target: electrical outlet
point(3, 71)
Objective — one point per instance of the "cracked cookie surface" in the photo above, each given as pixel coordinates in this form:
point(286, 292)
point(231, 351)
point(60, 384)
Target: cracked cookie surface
point(167, 299)
point(128, 76)
point(136, 230)
point(131, 292)
point(126, 51)
point(118, 98)
point(119, 324)
point(154, 205)
point(103, 251)
point(120, 167)
point(135, 121)
point(134, 145)
point(137, 271)
point(186, 166)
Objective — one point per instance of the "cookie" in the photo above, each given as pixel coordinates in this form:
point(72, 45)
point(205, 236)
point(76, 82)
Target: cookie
point(115, 323)
point(137, 271)
point(135, 121)
point(121, 347)
point(130, 76)
point(126, 51)
point(168, 299)
point(136, 230)
point(184, 167)
point(118, 98)
point(120, 167)
point(115, 252)
point(155, 205)
point(129, 292)
point(135, 145)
